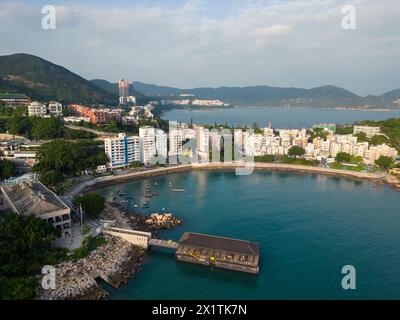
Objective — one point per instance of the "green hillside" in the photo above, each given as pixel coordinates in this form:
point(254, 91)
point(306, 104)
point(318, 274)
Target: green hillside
point(43, 80)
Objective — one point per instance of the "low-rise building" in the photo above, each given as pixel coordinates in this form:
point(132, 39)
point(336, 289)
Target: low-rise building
point(369, 131)
point(37, 109)
point(32, 198)
point(55, 109)
point(14, 99)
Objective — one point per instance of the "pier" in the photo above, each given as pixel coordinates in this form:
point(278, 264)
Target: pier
point(219, 252)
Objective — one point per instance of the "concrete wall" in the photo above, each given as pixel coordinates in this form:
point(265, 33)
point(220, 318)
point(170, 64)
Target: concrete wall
point(137, 238)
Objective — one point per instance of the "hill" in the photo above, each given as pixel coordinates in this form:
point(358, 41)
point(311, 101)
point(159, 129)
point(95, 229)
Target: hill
point(324, 96)
point(43, 80)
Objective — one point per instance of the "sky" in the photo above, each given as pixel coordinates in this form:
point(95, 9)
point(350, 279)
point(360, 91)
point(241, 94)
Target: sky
point(212, 43)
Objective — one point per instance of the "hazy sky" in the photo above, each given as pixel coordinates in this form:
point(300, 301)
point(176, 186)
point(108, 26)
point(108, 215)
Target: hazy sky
point(192, 43)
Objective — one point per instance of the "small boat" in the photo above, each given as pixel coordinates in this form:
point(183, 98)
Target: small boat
point(178, 190)
point(145, 206)
point(135, 206)
point(156, 183)
point(170, 184)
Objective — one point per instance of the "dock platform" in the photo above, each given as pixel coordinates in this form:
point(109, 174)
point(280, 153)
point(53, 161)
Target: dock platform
point(220, 252)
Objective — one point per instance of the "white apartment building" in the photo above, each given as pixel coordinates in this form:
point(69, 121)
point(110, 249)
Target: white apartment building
point(347, 138)
point(375, 152)
point(360, 148)
point(36, 109)
point(203, 140)
point(147, 143)
point(238, 139)
point(215, 140)
point(161, 144)
point(325, 147)
point(55, 109)
point(369, 131)
point(335, 148)
point(122, 150)
point(189, 134)
point(175, 136)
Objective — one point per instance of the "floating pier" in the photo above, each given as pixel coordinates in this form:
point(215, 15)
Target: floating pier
point(219, 252)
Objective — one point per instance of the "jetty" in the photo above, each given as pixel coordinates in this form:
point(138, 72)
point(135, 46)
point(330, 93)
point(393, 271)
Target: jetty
point(208, 250)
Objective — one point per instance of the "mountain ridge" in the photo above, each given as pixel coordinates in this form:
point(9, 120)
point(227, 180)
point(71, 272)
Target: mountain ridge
point(263, 95)
point(43, 80)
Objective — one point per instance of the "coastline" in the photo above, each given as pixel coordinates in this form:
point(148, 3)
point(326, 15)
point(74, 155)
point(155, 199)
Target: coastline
point(132, 176)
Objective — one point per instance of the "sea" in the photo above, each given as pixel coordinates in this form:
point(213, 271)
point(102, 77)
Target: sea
point(308, 226)
point(278, 117)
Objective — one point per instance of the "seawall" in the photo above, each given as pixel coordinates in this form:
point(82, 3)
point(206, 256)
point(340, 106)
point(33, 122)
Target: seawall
point(117, 179)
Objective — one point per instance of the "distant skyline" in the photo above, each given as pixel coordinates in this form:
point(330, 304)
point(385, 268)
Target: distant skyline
point(207, 43)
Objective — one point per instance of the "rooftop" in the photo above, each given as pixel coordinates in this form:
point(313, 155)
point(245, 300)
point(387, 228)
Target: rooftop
point(13, 96)
point(220, 243)
point(33, 198)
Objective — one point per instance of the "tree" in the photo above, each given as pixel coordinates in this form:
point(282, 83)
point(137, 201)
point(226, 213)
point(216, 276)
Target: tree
point(20, 125)
point(379, 139)
point(361, 137)
point(50, 178)
point(26, 244)
point(343, 157)
point(296, 151)
point(134, 165)
point(92, 204)
point(385, 162)
point(69, 158)
point(47, 128)
point(7, 168)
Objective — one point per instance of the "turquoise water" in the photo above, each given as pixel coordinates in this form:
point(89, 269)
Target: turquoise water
point(279, 117)
point(308, 227)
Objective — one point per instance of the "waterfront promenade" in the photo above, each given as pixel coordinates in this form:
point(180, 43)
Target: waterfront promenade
point(137, 175)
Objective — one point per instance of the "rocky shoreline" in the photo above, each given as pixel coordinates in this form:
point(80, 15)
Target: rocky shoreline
point(162, 221)
point(115, 263)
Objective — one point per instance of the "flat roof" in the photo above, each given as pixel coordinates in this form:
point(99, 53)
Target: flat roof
point(33, 198)
point(219, 243)
point(13, 96)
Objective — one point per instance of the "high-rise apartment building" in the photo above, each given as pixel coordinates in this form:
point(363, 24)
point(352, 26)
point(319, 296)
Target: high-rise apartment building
point(122, 150)
point(147, 144)
point(161, 144)
point(175, 136)
point(126, 92)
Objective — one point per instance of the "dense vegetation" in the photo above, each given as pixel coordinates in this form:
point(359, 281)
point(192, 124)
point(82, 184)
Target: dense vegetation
point(91, 203)
point(60, 158)
point(390, 128)
point(43, 80)
point(384, 162)
point(88, 245)
point(7, 168)
point(44, 128)
point(25, 247)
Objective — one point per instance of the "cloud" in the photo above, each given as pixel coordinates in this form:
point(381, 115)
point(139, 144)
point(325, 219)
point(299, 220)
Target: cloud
point(286, 43)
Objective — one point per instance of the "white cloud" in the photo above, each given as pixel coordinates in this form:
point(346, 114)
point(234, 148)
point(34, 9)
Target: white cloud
point(287, 43)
